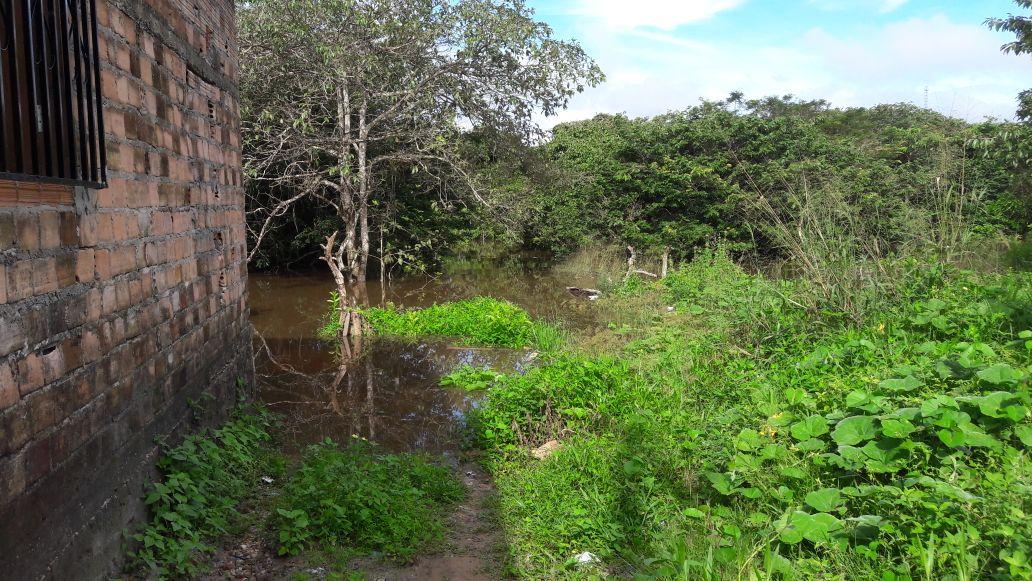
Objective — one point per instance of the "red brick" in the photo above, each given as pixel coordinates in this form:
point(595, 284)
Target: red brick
point(85, 263)
point(94, 305)
point(27, 231)
point(44, 275)
point(103, 263)
point(53, 365)
point(49, 230)
point(66, 270)
point(19, 281)
point(8, 387)
point(88, 230)
point(104, 228)
point(90, 344)
point(30, 374)
point(68, 228)
point(12, 478)
point(7, 231)
point(37, 460)
point(3, 284)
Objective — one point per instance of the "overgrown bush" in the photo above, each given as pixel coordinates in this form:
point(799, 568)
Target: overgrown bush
point(364, 499)
point(203, 480)
point(748, 434)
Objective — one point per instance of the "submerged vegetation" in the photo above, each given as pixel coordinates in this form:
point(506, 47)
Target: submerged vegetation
point(481, 321)
point(744, 435)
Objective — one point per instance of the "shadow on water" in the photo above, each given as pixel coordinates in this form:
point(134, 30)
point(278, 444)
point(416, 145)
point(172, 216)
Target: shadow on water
point(387, 390)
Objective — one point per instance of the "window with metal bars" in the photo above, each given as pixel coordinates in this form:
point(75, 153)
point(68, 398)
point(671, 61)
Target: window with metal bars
point(51, 115)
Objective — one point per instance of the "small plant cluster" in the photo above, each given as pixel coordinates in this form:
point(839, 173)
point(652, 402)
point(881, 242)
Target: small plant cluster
point(478, 321)
point(204, 479)
point(330, 330)
point(471, 378)
point(748, 434)
point(364, 499)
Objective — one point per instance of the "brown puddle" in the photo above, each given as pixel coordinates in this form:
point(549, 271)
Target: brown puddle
point(388, 391)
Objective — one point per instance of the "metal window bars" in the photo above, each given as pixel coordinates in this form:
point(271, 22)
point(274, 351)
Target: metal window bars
point(51, 113)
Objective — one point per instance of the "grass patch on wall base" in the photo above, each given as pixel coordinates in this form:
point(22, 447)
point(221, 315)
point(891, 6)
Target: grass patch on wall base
point(203, 480)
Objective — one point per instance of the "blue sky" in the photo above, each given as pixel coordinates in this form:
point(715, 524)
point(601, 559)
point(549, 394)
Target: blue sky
point(660, 55)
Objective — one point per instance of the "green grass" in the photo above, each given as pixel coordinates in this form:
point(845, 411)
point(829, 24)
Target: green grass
point(203, 481)
point(365, 500)
point(479, 321)
point(742, 435)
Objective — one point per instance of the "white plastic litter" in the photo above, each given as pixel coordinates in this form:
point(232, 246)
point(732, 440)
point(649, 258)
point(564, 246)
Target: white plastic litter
point(586, 558)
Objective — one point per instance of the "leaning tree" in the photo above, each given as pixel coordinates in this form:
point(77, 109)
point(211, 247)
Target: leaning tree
point(335, 93)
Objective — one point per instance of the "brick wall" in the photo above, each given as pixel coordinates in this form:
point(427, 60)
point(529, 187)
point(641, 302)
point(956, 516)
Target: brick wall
point(119, 306)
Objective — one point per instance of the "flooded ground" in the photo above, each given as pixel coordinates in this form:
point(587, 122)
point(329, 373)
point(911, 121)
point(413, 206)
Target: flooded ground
point(389, 393)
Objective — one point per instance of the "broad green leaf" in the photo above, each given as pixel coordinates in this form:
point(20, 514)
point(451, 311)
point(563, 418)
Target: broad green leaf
point(908, 383)
point(1015, 412)
point(720, 482)
point(748, 439)
point(951, 437)
point(794, 395)
point(1024, 433)
point(825, 499)
point(810, 427)
point(857, 398)
point(692, 512)
point(1000, 374)
point(990, 404)
point(900, 428)
point(812, 527)
point(811, 445)
point(854, 429)
point(750, 492)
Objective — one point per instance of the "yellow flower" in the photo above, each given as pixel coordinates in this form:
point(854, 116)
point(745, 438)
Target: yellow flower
point(881, 328)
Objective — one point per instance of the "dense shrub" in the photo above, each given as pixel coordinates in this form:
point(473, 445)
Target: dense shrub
point(478, 321)
point(362, 498)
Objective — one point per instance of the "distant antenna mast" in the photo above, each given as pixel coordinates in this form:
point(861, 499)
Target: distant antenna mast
point(926, 97)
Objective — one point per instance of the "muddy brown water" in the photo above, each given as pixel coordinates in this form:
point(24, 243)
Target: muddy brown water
point(388, 391)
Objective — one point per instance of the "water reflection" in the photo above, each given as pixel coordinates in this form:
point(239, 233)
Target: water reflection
point(385, 390)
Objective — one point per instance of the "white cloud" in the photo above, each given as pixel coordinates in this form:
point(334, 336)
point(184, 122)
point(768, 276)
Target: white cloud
point(651, 71)
point(880, 6)
point(662, 14)
point(891, 5)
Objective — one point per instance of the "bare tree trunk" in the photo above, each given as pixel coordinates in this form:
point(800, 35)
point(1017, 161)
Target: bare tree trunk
point(361, 258)
point(351, 322)
point(347, 197)
point(666, 261)
point(632, 255)
point(370, 398)
point(383, 271)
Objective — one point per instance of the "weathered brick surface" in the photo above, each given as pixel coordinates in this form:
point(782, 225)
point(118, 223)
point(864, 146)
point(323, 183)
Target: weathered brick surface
point(119, 305)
